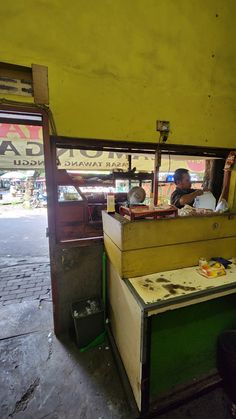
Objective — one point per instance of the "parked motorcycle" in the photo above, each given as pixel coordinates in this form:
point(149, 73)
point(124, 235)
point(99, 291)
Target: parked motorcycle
point(39, 200)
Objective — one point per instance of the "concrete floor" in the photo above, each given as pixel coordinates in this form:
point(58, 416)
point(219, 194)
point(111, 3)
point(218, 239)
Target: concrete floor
point(42, 377)
point(23, 232)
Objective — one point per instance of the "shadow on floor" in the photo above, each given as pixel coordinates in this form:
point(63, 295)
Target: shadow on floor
point(42, 377)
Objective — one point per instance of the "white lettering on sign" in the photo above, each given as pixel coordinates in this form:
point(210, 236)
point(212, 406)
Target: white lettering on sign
point(21, 146)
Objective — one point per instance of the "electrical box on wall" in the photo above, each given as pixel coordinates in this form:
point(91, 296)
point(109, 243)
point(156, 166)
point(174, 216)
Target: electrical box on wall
point(164, 128)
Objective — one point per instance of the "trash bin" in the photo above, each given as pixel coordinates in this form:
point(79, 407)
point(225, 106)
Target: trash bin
point(88, 318)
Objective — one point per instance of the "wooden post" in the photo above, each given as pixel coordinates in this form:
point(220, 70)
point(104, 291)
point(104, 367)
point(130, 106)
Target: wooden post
point(156, 175)
point(130, 168)
point(227, 175)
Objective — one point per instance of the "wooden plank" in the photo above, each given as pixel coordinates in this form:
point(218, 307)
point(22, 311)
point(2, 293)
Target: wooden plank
point(114, 254)
point(232, 190)
point(67, 212)
point(125, 315)
point(185, 393)
point(150, 233)
point(188, 303)
point(112, 226)
point(156, 259)
point(124, 377)
point(141, 147)
point(40, 84)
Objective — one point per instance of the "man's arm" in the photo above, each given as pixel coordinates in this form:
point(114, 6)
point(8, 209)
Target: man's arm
point(186, 199)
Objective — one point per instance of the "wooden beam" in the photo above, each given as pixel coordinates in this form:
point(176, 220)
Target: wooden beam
point(40, 84)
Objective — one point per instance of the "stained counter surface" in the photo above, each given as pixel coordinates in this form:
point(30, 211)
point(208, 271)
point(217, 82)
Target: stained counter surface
point(169, 286)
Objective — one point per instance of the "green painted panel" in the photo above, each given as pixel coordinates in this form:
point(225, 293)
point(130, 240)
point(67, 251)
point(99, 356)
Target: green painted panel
point(183, 342)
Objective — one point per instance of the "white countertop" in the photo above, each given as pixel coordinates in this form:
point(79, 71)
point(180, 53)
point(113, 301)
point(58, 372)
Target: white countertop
point(167, 285)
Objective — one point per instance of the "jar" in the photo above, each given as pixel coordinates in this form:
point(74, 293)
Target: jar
point(202, 262)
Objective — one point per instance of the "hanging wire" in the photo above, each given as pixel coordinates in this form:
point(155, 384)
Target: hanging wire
point(169, 164)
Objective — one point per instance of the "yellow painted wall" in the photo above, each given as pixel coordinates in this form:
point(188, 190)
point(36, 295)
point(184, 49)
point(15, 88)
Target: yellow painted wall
point(115, 66)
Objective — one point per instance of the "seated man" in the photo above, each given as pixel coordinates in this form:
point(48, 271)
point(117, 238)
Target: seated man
point(183, 193)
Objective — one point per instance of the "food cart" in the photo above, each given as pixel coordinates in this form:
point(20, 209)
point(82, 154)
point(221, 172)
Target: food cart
point(164, 316)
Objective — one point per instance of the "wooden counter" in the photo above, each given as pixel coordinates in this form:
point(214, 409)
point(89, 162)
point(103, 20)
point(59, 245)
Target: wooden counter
point(171, 289)
point(165, 321)
point(148, 246)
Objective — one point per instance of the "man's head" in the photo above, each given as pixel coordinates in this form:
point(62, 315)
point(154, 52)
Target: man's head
point(182, 179)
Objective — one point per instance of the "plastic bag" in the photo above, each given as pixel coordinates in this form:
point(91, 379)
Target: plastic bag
point(222, 206)
point(205, 201)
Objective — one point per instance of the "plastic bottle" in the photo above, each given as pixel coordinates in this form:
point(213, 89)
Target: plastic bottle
point(110, 203)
